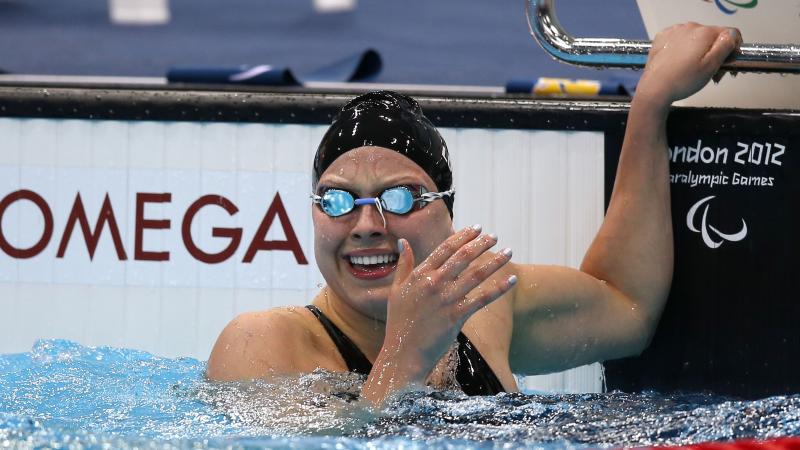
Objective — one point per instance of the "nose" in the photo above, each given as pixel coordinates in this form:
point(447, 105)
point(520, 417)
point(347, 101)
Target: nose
point(369, 223)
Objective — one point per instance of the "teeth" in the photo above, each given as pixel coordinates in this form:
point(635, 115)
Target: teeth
point(374, 259)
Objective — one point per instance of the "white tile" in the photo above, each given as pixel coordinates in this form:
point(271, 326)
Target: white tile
point(73, 148)
point(11, 131)
point(41, 180)
point(70, 303)
point(315, 135)
point(36, 313)
point(141, 271)
point(37, 142)
point(291, 144)
point(586, 191)
point(286, 297)
point(142, 310)
point(511, 152)
point(223, 186)
point(106, 316)
point(218, 146)
point(178, 323)
point(255, 147)
point(291, 268)
point(473, 162)
point(10, 222)
point(548, 211)
point(247, 300)
point(74, 266)
point(256, 191)
point(109, 143)
point(146, 145)
point(12, 341)
point(215, 308)
point(108, 264)
point(185, 188)
point(182, 145)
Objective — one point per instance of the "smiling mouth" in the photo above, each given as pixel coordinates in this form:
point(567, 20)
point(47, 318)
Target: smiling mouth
point(372, 266)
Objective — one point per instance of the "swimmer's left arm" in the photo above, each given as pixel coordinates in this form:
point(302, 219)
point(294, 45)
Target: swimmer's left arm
point(610, 308)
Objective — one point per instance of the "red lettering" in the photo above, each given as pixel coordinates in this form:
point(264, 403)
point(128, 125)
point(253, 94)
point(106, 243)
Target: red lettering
point(260, 241)
point(235, 234)
point(142, 224)
point(47, 233)
point(92, 238)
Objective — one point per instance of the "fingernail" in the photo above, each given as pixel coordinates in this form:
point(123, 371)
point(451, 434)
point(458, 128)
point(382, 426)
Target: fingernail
point(507, 252)
point(492, 236)
point(400, 246)
point(477, 227)
point(733, 33)
point(512, 280)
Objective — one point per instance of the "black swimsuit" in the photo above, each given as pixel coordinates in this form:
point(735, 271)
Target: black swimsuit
point(473, 373)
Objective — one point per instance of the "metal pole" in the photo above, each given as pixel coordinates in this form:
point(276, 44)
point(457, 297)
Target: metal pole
point(625, 53)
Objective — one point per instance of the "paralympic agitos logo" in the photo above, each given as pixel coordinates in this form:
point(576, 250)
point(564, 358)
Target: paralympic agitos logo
point(712, 237)
point(731, 6)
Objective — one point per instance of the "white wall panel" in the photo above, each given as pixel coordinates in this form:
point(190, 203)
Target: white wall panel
point(142, 314)
point(42, 180)
point(105, 319)
point(540, 191)
point(72, 137)
point(248, 300)
point(10, 148)
point(10, 222)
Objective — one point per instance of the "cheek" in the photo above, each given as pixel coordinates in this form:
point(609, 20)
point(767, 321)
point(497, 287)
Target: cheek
point(328, 233)
point(425, 230)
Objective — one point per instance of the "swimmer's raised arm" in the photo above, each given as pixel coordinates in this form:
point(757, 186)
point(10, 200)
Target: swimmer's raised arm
point(610, 308)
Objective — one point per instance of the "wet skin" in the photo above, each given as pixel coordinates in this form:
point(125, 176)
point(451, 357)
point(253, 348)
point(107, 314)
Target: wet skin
point(366, 172)
point(404, 316)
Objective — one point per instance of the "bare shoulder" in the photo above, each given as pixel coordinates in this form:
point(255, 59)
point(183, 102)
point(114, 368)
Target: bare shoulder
point(263, 344)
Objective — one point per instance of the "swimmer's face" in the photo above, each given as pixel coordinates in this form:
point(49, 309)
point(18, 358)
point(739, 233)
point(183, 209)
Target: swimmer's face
point(366, 172)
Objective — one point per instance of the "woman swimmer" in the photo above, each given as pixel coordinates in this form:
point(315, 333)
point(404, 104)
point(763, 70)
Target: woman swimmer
point(409, 301)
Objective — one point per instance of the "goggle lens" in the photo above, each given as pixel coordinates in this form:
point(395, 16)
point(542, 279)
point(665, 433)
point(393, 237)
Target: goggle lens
point(337, 203)
point(397, 200)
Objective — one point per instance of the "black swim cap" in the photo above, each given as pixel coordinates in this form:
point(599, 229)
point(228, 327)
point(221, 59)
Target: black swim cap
point(390, 120)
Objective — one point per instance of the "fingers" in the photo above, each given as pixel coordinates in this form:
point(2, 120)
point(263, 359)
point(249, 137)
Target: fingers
point(726, 42)
point(446, 249)
point(487, 293)
point(468, 252)
point(405, 261)
point(479, 272)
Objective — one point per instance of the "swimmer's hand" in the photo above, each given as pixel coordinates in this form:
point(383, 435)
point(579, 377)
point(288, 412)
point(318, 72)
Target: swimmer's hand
point(429, 304)
point(683, 59)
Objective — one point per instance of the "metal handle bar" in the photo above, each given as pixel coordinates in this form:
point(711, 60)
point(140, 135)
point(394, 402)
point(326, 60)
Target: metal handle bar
point(548, 32)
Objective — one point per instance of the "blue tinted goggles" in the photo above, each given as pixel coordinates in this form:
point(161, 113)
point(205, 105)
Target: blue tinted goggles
point(396, 200)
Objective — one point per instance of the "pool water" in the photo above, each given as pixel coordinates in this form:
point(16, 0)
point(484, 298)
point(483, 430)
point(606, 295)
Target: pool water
point(64, 395)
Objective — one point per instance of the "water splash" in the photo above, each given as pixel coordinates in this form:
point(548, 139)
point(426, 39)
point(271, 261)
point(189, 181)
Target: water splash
point(62, 394)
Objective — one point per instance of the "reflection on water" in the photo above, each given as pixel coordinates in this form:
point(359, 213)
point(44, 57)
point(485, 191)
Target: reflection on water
point(62, 394)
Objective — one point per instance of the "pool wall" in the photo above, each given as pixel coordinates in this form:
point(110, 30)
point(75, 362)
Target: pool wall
point(156, 278)
point(202, 195)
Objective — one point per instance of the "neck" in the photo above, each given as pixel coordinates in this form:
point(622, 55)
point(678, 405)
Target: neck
point(365, 331)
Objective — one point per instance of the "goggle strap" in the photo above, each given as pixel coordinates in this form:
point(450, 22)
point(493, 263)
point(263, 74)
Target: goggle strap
point(380, 210)
point(429, 197)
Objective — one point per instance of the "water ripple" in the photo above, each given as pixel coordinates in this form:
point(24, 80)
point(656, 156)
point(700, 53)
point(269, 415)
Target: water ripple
point(64, 395)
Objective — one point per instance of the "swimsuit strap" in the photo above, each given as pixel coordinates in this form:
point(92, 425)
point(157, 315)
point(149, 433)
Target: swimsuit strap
point(353, 357)
point(474, 374)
